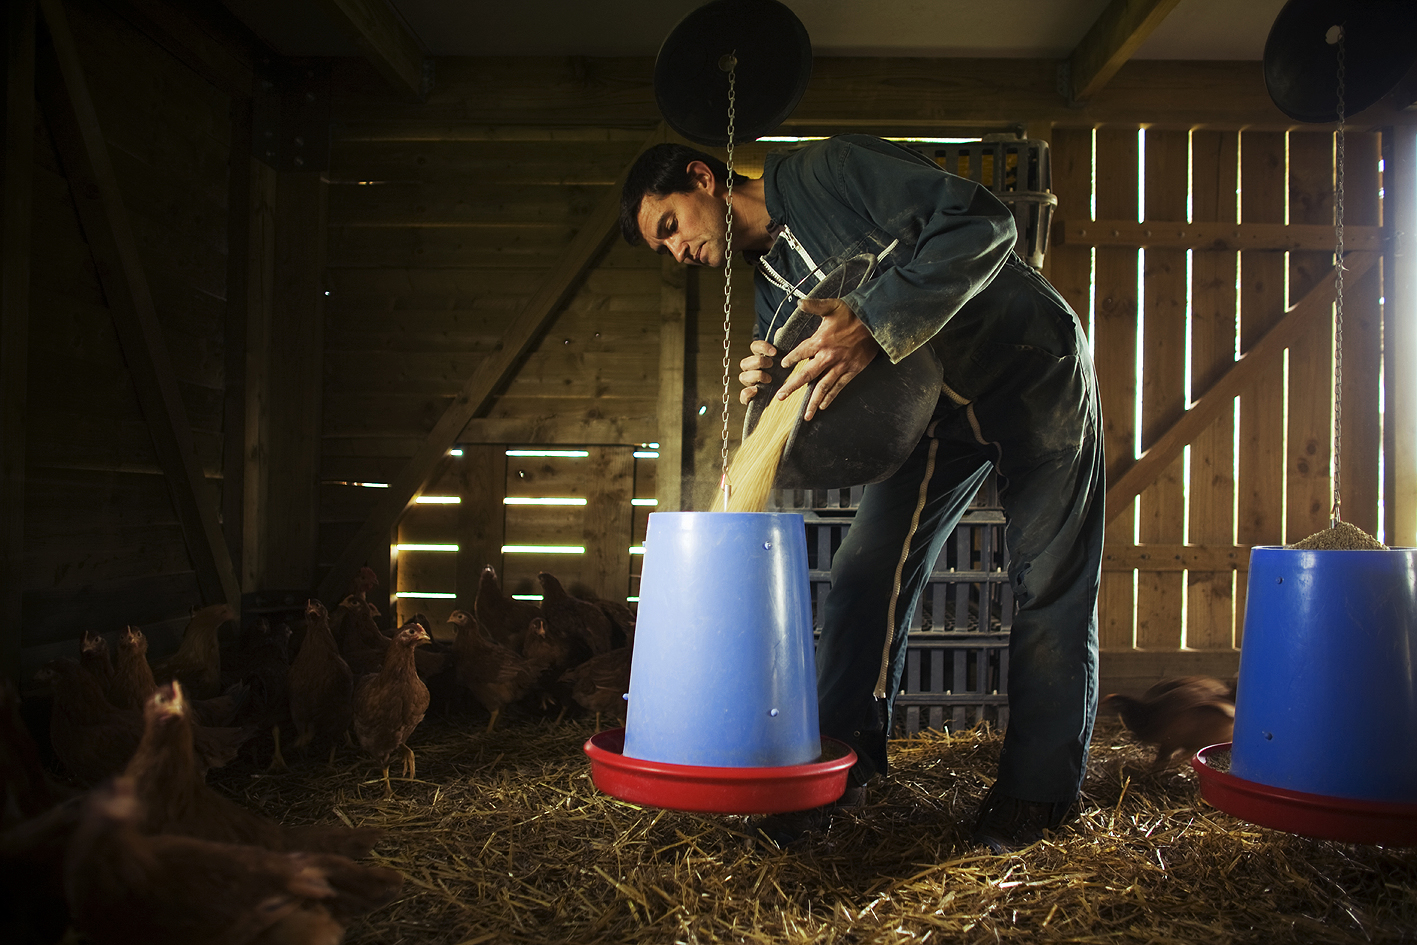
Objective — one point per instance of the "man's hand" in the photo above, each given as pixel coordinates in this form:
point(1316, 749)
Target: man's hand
point(755, 370)
point(837, 351)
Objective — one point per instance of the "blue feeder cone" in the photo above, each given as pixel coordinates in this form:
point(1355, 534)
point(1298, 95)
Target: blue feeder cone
point(1327, 699)
point(723, 672)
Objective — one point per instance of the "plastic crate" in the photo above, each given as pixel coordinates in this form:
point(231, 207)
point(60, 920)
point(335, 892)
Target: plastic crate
point(1018, 172)
point(956, 663)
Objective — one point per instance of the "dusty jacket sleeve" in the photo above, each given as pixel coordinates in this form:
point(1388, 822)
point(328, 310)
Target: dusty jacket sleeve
point(954, 237)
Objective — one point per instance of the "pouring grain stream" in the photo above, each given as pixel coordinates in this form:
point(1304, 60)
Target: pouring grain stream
point(754, 466)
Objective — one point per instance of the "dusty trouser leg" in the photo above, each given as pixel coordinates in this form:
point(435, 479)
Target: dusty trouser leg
point(909, 516)
point(1054, 536)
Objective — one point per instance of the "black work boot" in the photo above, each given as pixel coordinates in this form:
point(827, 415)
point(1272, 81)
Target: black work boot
point(784, 829)
point(1007, 824)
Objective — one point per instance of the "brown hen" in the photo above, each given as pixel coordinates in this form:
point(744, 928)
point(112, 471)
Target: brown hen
point(176, 800)
point(599, 684)
point(125, 888)
point(321, 684)
point(94, 739)
point(133, 684)
point(496, 675)
point(389, 705)
point(197, 662)
point(503, 618)
point(571, 616)
point(264, 664)
point(1187, 713)
point(94, 656)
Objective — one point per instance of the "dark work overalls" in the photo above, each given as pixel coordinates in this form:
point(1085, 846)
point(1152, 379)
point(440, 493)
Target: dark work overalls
point(1019, 395)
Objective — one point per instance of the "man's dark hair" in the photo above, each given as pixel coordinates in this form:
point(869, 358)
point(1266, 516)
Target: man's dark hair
point(659, 172)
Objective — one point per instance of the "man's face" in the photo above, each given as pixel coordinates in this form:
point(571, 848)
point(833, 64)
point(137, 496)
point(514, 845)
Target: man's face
point(688, 226)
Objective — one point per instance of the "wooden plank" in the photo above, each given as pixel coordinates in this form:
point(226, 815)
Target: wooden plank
point(295, 379)
point(1213, 235)
point(1117, 33)
point(496, 163)
point(607, 530)
point(1260, 484)
point(385, 42)
point(1114, 349)
point(1308, 472)
point(482, 521)
point(674, 301)
point(80, 143)
point(1210, 610)
point(17, 204)
point(1070, 265)
point(221, 58)
point(592, 239)
point(234, 331)
point(1160, 595)
point(1253, 366)
point(62, 613)
point(258, 302)
point(1135, 671)
point(1360, 433)
point(1177, 557)
point(1400, 345)
point(477, 97)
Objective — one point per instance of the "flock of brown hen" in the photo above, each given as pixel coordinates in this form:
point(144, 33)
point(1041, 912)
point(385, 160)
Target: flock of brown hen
point(151, 854)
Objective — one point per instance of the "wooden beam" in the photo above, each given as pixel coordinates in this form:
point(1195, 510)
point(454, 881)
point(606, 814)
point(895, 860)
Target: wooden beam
point(16, 207)
point(295, 383)
point(238, 227)
point(259, 304)
point(1115, 35)
point(560, 283)
point(385, 41)
point(1313, 307)
point(482, 517)
point(1158, 557)
point(83, 152)
point(673, 306)
point(607, 530)
point(1152, 234)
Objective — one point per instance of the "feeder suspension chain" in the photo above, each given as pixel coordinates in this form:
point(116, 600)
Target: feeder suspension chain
point(1338, 289)
point(728, 272)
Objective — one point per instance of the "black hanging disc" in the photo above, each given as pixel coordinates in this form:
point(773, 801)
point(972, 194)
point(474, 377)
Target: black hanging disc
point(1301, 60)
point(774, 57)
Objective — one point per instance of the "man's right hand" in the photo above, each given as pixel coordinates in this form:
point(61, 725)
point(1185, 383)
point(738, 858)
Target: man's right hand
point(755, 370)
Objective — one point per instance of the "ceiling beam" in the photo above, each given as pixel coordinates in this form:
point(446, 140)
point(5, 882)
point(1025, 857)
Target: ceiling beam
point(1304, 315)
point(560, 283)
point(1117, 33)
point(385, 41)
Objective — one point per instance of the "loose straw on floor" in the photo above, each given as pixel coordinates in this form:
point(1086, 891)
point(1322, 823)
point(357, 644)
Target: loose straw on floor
point(754, 467)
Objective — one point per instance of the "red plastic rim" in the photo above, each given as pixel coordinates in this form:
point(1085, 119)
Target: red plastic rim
point(1383, 823)
point(718, 790)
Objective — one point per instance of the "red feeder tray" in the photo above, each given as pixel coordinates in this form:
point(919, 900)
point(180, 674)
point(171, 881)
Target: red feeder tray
point(718, 790)
point(1383, 823)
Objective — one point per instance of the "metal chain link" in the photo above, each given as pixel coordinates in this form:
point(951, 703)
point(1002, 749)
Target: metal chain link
point(732, 66)
point(1336, 516)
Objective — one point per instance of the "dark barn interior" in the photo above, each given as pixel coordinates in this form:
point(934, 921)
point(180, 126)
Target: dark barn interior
point(326, 300)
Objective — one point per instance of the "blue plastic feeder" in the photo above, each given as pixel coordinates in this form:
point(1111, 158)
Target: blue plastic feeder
point(723, 674)
point(1326, 713)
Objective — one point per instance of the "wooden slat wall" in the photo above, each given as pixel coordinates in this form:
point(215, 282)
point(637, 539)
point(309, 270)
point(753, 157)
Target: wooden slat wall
point(102, 543)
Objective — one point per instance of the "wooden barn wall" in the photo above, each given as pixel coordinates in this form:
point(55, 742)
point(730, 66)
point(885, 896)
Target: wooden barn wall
point(1167, 321)
point(102, 542)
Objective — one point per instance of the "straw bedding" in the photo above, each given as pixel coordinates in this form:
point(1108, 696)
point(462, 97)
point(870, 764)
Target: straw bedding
point(503, 838)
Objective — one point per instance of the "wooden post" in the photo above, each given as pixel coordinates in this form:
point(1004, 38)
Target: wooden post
point(1115, 347)
point(83, 151)
point(1360, 435)
point(611, 474)
point(295, 381)
point(1400, 320)
point(260, 257)
point(238, 226)
point(16, 191)
point(482, 518)
point(673, 305)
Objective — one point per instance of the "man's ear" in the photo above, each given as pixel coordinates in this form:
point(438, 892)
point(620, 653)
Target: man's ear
point(702, 175)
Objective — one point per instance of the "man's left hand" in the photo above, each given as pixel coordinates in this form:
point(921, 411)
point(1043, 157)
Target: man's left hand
point(837, 351)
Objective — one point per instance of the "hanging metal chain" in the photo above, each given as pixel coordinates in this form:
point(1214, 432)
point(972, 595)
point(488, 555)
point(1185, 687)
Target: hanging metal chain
point(1336, 515)
point(730, 63)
